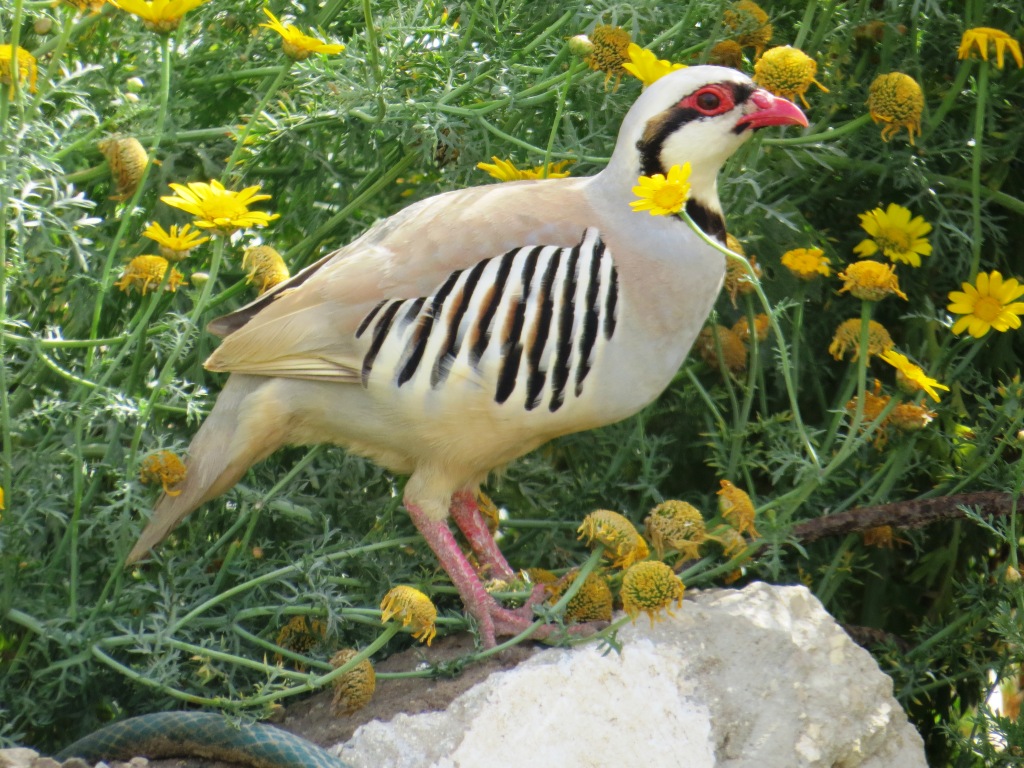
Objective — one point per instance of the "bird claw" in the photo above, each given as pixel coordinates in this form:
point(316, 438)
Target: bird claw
point(503, 622)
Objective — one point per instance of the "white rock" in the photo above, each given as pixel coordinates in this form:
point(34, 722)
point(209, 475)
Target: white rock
point(756, 678)
point(17, 757)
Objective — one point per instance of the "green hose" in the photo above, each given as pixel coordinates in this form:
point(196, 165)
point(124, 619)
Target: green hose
point(200, 734)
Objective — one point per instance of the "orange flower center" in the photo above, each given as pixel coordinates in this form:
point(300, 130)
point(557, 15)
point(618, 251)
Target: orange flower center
point(223, 207)
point(988, 308)
point(670, 197)
point(893, 240)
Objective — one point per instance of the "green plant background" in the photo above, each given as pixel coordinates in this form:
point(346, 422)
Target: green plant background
point(94, 379)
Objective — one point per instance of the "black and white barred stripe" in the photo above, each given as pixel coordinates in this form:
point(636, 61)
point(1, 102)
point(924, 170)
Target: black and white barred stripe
point(529, 323)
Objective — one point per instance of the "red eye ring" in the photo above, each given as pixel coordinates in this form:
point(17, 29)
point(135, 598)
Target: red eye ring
point(709, 101)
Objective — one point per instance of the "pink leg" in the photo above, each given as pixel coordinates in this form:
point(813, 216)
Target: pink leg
point(494, 620)
point(466, 514)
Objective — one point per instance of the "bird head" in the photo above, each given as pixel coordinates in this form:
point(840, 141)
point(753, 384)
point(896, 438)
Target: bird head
point(697, 115)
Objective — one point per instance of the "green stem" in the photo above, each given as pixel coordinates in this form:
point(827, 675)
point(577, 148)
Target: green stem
point(6, 466)
point(976, 159)
point(557, 120)
point(277, 650)
point(859, 165)
point(373, 52)
point(8, 139)
point(253, 120)
point(798, 328)
point(831, 134)
point(785, 365)
point(234, 75)
point(862, 370)
point(805, 24)
point(713, 410)
point(533, 148)
point(54, 65)
point(743, 416)
point(76, 31)
point(126, 218)
point(172, 358)
point(952, 94)
point(544, 35)
point(309, 242)
point(284, 572)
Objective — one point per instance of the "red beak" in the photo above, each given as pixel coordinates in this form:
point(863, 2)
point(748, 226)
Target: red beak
point(771, 110)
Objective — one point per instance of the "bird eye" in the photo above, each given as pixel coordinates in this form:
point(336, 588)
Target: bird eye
point(708, 101)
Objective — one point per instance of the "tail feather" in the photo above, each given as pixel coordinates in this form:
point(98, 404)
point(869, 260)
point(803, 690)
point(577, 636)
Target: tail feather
point(226, 445)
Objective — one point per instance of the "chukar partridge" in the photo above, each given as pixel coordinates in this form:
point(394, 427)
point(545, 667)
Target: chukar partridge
point(474, 326)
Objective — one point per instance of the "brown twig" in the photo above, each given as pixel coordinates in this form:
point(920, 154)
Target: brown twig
point(870, 637)
point(905, 514)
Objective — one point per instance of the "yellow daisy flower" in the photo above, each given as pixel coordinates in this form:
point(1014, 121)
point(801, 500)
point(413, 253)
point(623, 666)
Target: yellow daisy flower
point(749, 25)
point(738, 281)
point(761, 325)
point(896, 100)
point(737, 508)
point(910, 417)
point(266, 267)
point(676, 525)
point(727, 53)
point(807, 263)
point(158, 15)
point(162, 467)
point(650, 587)
point(646, 66)
point(616, 534)
point(410, 606)
point(871, 281)
point(145, 272)
point(731, 540)
point(733, 350)
point(902, 239)
point(610, 50)
point(913, 377)
point(354, 689)
point(880, 536)
point(301, 634)
point(176, 244)
point(990, 304)
point(847, 338)
point(982, 37)
point(127, 159)
point(295, 44)
point(593, 601)
point(27, 71)
point(662, 195)
point(505, 170)
point(787, 72)
point(219, 209)
point(874, 403)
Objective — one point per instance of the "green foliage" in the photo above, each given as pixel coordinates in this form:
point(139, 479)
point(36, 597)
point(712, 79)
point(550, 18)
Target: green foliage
point(94, 379)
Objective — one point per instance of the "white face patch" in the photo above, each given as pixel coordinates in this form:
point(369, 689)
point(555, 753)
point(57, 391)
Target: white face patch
point(706, 143)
